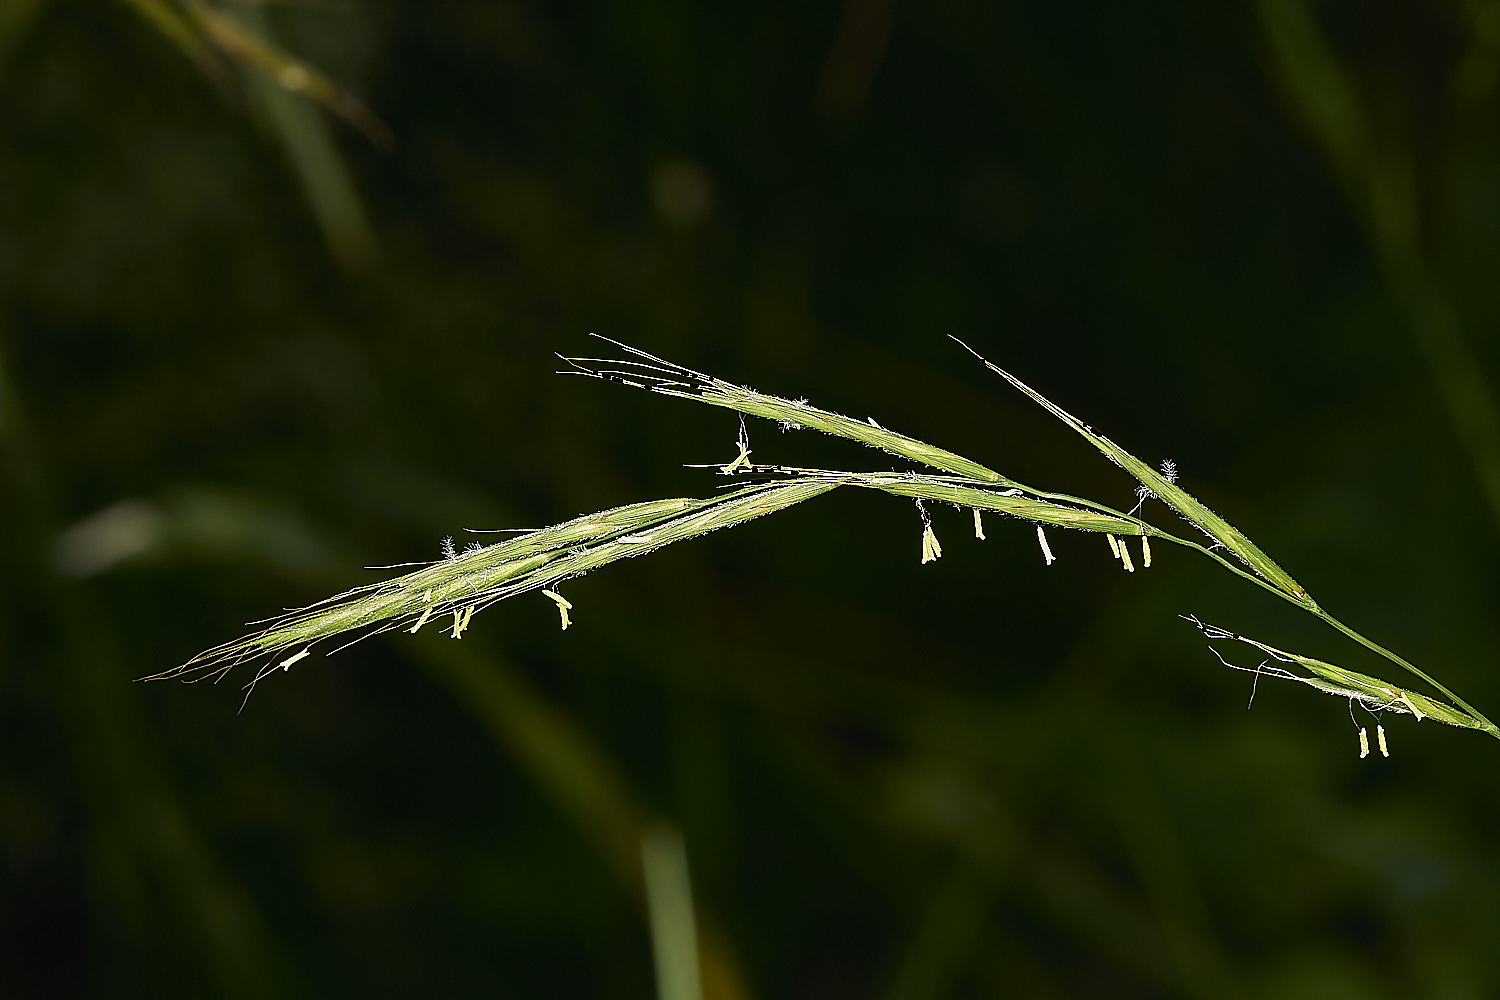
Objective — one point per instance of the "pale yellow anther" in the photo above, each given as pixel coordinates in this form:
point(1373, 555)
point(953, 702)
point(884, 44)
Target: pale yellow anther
point(931, 550)
point(461, 621)
point(1380, 738)
point(742, 462)
point(1125, 556)
point(1364, 743)
point(426, 614)
point(563, 604)
point(286, 664)
point(1145, 551)
point(1041, 538)
point(978, 525)
point(1406, 700)
point(1114, 546)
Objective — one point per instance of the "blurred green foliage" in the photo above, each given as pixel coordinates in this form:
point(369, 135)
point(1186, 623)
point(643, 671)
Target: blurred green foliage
point(244, 352)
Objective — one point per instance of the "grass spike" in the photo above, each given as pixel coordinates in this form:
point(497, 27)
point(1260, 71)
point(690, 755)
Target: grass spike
point(462, 583)
point(1167, 491)
point(1372, 692)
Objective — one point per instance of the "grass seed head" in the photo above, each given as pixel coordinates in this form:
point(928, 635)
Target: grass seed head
point(1170, 493)
point(1372, 692)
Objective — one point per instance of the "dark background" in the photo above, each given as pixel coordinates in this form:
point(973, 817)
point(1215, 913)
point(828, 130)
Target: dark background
point(1258, 239)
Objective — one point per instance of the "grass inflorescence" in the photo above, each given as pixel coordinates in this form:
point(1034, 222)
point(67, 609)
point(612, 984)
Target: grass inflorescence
point(461, 584)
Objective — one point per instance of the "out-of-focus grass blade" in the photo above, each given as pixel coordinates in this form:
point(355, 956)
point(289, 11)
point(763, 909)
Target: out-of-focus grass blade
point(669, 903)
point(283, 90)
point(230, 35)
point(177, 29)
point(1376, 171)
point(1315, 80)
point(1169, 493)
point(584, 782)
point(165, 885)
point(309, 143)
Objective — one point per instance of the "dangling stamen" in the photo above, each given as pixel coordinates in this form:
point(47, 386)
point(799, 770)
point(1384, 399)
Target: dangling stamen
point(426, 614)
point(563, 604)
point(743, 460)
point(461, 621)
point(931, 550)
point(1041, 537)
